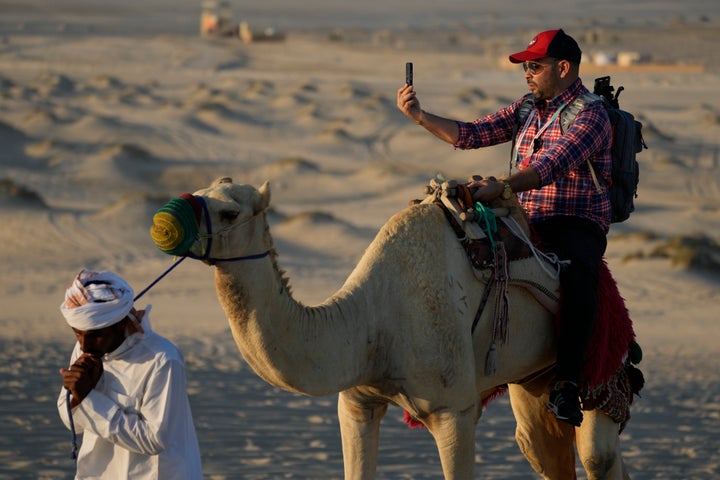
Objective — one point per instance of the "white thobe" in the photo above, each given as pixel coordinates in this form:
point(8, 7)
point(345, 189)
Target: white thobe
point(136, 422)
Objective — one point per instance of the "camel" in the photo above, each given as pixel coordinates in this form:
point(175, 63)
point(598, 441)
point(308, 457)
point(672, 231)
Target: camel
point(399, 331)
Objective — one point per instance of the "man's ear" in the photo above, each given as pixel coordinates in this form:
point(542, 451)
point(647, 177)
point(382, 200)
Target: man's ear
point(564, 67)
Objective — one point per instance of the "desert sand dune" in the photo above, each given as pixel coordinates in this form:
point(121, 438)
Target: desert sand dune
point(107, 113)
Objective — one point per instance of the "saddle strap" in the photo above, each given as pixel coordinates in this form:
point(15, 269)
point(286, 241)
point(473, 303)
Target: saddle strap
point(481, 306)
point(502, 276)
point(457, 228)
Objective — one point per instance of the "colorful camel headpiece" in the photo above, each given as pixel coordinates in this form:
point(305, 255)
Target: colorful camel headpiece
point(176, 225)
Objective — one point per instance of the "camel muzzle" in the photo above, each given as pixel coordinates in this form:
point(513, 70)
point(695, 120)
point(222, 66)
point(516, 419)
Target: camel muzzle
point(175, 226)
point(176, 230)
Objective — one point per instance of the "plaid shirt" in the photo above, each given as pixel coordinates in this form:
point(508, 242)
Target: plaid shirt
point(566, 184)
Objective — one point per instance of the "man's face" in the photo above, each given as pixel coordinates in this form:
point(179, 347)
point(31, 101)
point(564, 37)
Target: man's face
point(543, 77)
point(101, 341)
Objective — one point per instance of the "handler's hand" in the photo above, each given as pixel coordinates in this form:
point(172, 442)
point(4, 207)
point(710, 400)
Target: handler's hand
point(82, 377)
point(408, 103)
point(487, 189)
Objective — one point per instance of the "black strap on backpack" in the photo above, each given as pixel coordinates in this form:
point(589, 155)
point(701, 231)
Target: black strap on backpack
point(521, 115)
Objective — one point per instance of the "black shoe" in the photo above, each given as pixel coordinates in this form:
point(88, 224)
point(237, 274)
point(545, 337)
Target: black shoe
point(565, 403)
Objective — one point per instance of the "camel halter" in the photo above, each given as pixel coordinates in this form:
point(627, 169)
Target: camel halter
point(176, 229)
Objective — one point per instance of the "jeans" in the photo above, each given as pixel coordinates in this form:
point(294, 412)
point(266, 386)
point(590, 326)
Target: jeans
point(583, 243)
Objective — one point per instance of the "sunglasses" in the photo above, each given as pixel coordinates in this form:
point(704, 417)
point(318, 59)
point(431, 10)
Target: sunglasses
point(535, 67)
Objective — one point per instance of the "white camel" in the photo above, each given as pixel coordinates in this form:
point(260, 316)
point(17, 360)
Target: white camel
point(397, 332)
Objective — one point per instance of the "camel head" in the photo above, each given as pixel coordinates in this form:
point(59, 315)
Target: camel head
point(221, 222)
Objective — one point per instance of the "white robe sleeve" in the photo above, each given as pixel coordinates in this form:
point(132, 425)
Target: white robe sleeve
point(146, 430)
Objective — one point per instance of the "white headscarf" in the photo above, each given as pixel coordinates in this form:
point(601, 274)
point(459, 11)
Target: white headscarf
point(96, 300)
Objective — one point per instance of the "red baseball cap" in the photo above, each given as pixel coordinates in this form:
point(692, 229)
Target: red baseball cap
point(551, 43)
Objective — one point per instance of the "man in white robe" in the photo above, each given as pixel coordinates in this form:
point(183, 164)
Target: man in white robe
point(126, 387)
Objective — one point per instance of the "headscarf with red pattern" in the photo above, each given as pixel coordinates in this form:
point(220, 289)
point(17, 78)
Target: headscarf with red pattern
point(96, 300)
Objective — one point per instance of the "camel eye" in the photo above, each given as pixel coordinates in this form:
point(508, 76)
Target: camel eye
point(228, 215)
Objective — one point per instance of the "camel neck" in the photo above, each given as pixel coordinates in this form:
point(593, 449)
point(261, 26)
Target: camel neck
point(289, 345)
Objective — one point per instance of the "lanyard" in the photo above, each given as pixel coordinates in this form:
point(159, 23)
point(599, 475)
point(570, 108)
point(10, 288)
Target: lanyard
point(541, 130)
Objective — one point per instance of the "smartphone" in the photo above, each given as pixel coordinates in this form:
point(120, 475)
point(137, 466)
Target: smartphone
point(409, 73)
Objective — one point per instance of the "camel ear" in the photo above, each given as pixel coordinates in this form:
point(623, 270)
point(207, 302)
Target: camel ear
point(264, 192)
point(220, 180)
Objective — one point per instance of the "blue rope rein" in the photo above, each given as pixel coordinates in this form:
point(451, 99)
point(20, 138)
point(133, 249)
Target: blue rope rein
point(73, 454)
point(154, 282)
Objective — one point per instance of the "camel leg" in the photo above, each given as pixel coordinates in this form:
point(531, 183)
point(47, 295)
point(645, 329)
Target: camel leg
point(454, 434)
point(546, 443)
point(360, 432)
point(599, 449)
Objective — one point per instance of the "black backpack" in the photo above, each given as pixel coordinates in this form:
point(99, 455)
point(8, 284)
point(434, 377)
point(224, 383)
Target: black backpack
point(627, 142)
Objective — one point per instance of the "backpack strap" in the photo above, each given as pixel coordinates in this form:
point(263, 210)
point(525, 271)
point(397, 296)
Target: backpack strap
point(572, 110)
point(521, 115)
point(568, 117)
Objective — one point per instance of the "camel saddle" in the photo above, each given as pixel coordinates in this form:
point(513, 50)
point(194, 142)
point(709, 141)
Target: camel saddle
point(455, 200)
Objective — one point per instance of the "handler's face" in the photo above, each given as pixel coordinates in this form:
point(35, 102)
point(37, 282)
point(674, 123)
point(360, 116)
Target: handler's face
point(101, 341)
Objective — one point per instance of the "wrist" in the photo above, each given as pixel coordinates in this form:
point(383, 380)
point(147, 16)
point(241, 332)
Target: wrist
point(420, 118)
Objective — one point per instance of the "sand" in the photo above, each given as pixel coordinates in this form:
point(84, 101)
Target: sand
point(108, 112)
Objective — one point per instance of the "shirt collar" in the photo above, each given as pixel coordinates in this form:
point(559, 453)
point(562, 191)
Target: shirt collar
point(132, 339)
point(129, 342)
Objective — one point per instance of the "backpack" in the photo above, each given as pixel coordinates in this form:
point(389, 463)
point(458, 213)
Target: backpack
point(627, 142)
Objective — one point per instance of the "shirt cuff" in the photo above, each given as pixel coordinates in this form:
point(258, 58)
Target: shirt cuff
point(543, 172)
point(463, 135)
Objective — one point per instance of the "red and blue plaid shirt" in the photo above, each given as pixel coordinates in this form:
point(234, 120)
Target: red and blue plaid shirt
point(560, 160)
